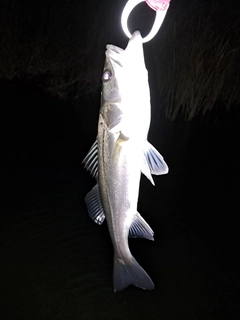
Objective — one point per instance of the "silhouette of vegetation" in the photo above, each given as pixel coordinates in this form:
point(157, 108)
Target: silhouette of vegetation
point(199, 64)
point(196, 55)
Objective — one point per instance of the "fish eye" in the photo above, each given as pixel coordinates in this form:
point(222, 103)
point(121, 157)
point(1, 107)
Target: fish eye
point(106, 76)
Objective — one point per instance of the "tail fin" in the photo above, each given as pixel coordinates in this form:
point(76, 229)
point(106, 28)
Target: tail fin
point(131, 273)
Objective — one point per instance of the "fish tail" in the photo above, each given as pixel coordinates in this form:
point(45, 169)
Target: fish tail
point(125, 274)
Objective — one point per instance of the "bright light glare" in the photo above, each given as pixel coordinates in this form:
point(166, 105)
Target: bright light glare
point(130, 5)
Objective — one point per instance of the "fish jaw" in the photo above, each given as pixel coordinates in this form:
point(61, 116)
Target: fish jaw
point(132, 56)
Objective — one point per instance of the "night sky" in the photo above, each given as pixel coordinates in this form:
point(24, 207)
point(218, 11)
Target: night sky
point(55, 262)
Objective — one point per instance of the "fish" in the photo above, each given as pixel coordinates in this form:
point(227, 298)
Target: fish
point(120, 154)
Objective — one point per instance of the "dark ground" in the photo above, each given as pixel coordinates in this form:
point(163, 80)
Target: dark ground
point(57, 264)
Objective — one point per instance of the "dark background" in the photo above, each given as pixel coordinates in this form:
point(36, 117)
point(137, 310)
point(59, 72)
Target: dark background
point(55, 262)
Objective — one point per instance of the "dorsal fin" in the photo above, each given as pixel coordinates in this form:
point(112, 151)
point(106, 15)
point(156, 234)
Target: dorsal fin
point(91, 160)
point(94, 205)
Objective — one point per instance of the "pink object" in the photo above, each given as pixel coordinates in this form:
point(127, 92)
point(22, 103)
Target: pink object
point(158, 5)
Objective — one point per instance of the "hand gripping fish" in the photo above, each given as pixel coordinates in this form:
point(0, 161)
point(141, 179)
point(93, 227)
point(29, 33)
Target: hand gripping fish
point(119, 155)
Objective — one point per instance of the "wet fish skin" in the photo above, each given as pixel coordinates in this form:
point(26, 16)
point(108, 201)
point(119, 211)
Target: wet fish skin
point(123, 152)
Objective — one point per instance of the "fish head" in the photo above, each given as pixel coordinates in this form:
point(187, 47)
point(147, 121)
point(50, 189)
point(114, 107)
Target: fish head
point(124, 70)
point(125, 88)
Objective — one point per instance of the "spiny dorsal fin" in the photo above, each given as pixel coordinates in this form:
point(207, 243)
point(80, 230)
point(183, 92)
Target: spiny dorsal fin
point(91, 160)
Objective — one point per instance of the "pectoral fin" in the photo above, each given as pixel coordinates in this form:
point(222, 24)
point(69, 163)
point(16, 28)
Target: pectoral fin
point(140, 229)
point(155, 161)
point(94, 205)
point(146, 170)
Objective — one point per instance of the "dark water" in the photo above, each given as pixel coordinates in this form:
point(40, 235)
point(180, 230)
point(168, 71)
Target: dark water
point(57, 264)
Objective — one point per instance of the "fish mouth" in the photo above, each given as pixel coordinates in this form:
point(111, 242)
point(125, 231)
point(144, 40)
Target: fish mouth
point(133, 52)
point(114, 50)
point(114, 54)
point(135, 42)
point(136, 36)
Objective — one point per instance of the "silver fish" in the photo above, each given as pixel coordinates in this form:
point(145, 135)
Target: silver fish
point(119, 155)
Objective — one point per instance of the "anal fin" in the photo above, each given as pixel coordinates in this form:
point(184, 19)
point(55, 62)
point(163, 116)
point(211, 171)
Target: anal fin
point(140, 229)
